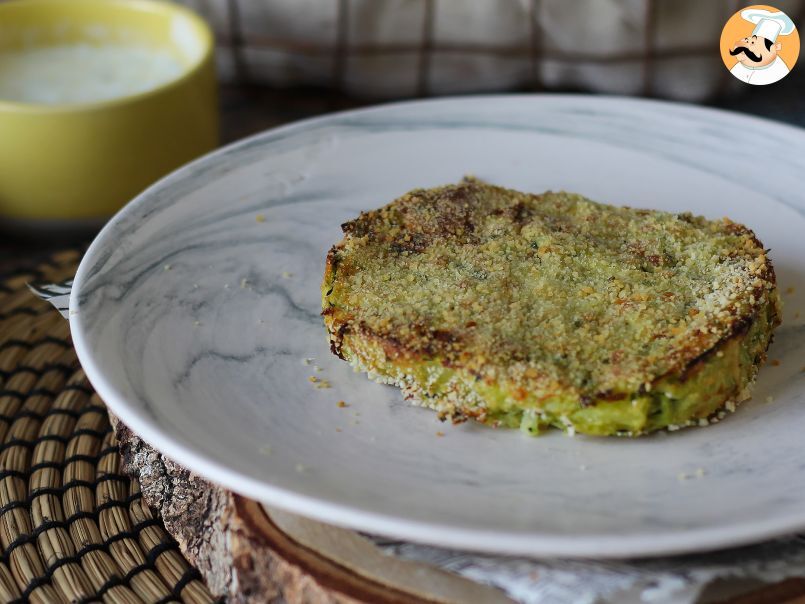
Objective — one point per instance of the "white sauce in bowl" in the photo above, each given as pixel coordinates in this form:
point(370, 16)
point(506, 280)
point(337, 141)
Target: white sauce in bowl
point(83, 73)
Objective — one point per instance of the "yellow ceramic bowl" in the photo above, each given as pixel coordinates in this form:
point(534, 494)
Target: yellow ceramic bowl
point(84, 161)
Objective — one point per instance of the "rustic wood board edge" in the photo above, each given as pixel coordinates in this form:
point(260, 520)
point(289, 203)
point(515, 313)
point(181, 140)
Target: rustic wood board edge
point(246, 557)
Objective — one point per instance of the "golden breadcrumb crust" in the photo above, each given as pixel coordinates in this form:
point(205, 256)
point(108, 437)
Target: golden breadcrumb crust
point(541, 297)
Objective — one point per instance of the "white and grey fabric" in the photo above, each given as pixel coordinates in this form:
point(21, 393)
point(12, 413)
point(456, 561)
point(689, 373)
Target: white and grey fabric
point(404, 48)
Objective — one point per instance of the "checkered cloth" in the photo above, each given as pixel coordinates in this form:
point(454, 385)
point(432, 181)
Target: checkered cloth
point(403, 48)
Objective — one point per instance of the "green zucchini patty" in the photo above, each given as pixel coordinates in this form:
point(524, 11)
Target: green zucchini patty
point(533, 311)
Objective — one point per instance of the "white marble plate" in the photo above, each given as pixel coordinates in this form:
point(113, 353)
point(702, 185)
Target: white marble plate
point(192, 319)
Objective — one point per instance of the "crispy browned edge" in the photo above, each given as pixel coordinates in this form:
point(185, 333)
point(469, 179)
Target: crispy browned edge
point(693, 356)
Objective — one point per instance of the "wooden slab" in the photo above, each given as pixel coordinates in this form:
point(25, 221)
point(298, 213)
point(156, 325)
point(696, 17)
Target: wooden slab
point(254, 554)
point(250, 553)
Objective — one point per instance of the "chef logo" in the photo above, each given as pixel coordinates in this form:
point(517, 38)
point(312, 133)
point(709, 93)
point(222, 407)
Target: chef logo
point(759, 45)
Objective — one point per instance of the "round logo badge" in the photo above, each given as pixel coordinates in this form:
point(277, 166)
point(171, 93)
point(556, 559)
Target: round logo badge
point(759, 45)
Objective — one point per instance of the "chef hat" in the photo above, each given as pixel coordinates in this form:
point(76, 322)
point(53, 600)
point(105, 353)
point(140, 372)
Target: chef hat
point(769, 24)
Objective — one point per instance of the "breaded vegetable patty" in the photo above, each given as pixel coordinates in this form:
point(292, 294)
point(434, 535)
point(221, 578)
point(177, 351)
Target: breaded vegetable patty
point(533, 311)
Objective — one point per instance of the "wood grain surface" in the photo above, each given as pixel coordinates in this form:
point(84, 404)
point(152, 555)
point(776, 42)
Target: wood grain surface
point(251, 554)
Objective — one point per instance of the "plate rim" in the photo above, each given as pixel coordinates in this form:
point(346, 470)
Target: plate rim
point(660, 543)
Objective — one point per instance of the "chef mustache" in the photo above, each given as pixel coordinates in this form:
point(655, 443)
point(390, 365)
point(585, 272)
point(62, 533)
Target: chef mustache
point(752, 56)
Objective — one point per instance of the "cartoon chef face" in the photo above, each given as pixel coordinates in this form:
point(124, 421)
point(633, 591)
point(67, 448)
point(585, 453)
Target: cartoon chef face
point(757, 55)
point(755, 51)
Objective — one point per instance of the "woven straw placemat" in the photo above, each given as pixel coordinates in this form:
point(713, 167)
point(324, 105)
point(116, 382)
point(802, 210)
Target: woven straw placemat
point(73, 528)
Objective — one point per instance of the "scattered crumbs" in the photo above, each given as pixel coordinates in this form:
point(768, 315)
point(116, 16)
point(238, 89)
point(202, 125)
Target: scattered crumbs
point(770, 399)
point(307, 361)
point(440, 433)
point(196, 323)
point(634, 402)
point(341, 404)
point(265, 450)
point(195, 286)
point(244, 283)
point(260, 322)
point(338, 430)
point(317, 369)
point(775, 362)
point(720, 353)
point(300, 468)
point(355, 422)
point(286, 275)
point(357, 414)
point(226, 285)
point(260, 218)
point(73, 312)
point(313, 379)
point(697, 473)
point(167, 267)
point(789, 290)
point(323, 384)
point(583, 467)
